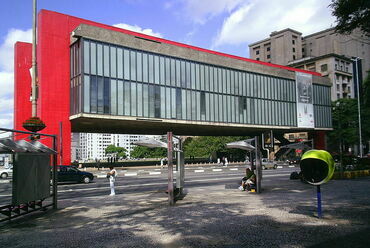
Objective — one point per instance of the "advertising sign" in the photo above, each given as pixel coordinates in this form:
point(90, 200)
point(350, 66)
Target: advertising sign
point(305, 115)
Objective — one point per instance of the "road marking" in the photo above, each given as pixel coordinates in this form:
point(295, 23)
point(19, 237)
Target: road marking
point(279, 167)
point(196, 171)
point(234, 169)
point(130, 174)
point(100, 176)
point(291, 166)
point(155, 172)
point(216, 169)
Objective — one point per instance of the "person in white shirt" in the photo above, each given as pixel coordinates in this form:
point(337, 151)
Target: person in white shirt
point(112, 178)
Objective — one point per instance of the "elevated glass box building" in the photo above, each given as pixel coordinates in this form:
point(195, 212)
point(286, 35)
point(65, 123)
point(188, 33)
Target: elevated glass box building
point(117, 81)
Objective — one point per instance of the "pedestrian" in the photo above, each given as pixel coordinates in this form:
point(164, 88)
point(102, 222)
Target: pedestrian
point(111, 175)
point(226, 162)
point(248, 181)
point(218, 161)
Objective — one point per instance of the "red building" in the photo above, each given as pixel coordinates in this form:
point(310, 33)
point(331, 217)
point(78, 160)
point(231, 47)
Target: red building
point(53, 61)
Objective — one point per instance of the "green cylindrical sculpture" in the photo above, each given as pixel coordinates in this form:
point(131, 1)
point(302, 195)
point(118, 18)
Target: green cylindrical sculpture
point(317, 166)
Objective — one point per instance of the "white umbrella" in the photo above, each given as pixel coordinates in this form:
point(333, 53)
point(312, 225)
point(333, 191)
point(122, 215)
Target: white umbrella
point(242, 144)
point(152, 143)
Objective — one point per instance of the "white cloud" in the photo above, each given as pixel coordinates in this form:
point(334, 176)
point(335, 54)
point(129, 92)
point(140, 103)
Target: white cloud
point(7, 73)
point(135, 28)
point(256, 19)
point(204, 10)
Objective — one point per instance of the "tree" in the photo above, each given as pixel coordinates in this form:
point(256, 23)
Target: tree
point(345, 124)
point(119, 152)
point(351, 14)
point(146, 152)
point(206, 146)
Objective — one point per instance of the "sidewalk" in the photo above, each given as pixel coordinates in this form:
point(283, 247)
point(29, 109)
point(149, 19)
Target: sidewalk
point(281, 216)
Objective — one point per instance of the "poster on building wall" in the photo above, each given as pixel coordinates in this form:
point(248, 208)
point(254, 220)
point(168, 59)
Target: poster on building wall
point(305, 115)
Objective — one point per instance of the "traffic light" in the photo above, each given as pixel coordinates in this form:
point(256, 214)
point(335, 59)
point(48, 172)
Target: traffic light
point(317, 166)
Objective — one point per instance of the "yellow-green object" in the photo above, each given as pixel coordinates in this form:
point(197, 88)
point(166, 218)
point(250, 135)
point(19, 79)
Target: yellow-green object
point(317, 166)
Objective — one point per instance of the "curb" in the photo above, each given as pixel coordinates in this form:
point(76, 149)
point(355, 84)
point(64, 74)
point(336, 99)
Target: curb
point(351, 174)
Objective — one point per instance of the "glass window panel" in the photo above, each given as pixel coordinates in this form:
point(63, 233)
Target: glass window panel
point(161, 69)
point(197, 77)
point(211, 74)
point(100, 95)
point(212, 107)
point(156, 69)
point(119, 63)
point(126, 64)
point(193, 106)
point(201, 72)
point(232, 82)
point(229, 109)
point(188, 81)
point(215, 79)
point(151, 100)
point(145, 100)
point(127, 98)
point(183, 103)
point(86, 56)
point(106, 61)
point(100, 59)
point(216, 108)
point(168, 103)
point(225, 108)
point(197, 95)
point(206, 78)
point(178, 75)
point(139, 99)
point(113, 97)
point(173, 103)
point(202, 109)
point(227, 81)
point(93, 58)
point(168, 71)
point(139, 66)
point(120, 97)
point(236, 107)
point(183, 74)
point(151, 69)
point(157, 101)
point(133, 65)
point(208, 108)
point(113, 62)
point(106, 96)
point(163, 102)
point(178, 104)
point(145, 68)
point(173, 72)
point(223, 81)
point(188, 105)
point(133, 99)
point(192, 69)
point(86, 94)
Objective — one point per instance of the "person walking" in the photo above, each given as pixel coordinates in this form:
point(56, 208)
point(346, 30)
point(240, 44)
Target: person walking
point(112, 178)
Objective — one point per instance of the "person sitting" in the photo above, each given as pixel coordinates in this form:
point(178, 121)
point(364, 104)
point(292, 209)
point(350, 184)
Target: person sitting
point(248, 181)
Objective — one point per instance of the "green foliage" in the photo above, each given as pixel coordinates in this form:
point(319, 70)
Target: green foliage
point(351, 14)
point(206, 146)
point(119, 151)
point(345, 123)
point(146, 152)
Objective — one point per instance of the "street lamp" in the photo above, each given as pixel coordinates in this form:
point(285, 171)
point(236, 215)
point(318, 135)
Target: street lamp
point(356, 69)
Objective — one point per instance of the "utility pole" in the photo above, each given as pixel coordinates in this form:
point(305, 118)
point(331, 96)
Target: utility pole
point(34, 63)
point(356, 60)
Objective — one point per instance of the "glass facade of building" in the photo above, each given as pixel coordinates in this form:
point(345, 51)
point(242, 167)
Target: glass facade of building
point(114, 80)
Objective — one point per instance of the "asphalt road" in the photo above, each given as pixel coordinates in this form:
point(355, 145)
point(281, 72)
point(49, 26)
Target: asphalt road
point(151, 180)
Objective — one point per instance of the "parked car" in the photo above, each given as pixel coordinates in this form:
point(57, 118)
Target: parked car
point(67, 173)
point(268, 164)
point(6, 172)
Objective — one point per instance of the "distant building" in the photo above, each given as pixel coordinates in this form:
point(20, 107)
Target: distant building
point(91, 146)
point(325, 52)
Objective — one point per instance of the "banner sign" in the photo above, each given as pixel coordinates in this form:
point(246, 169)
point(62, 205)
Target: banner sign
point(305, 115)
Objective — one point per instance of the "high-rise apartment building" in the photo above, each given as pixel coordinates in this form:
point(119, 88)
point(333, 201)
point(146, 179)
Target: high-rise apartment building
point(91, 146)
point(325, 52)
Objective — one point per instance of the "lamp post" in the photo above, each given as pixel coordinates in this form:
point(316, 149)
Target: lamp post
point(339, 109)
point(356, 62)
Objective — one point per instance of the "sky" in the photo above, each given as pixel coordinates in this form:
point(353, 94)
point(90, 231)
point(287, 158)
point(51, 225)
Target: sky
point(222, 25)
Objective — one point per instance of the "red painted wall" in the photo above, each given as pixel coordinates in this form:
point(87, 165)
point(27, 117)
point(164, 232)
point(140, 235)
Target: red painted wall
point(54, 73)
point(22, 84)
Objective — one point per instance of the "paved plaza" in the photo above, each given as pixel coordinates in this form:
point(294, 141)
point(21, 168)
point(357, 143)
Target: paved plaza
point(283, 215)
